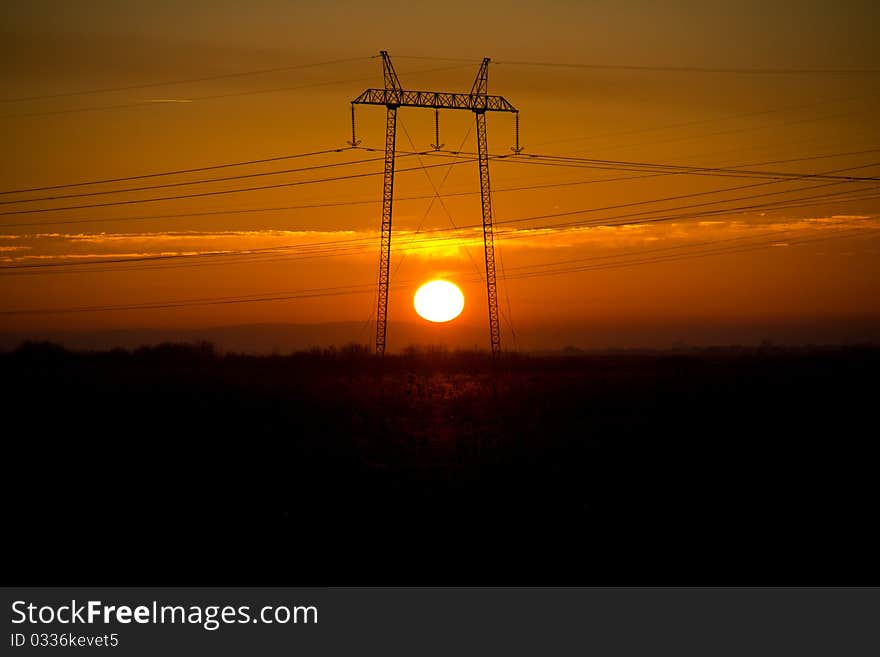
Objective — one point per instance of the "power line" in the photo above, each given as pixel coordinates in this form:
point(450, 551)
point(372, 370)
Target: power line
point(207, 213)
point(310, 206)
point(175, 172)
point(219, 192)
point(663, 169)
point(168, 83)
point(602, 163)
point(569, 224)
point(700, 69)
point(338, 247)
point(193, 182)
point(693, 205)
point(333, 249)
point(666, 199)
point(719, 170)
point(666, 69)
point(143, 104)
point(731, 131)
point(676, 247)
point(402, 198)
point(303, 294)
point(623, 165)
point(688, 215)
point(686, 124)
point(235, 94)
point(700, 254)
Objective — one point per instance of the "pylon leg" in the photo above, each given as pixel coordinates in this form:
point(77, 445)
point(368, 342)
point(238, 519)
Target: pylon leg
point(385, 245)
point(488, 235)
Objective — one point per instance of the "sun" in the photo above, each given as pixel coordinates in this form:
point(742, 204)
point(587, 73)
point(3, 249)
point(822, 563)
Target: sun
point(438, 301)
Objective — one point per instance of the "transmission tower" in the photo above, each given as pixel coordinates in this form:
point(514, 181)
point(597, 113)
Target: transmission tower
point(477, 101)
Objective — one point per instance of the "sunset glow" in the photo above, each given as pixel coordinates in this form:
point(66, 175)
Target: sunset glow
point(173, 176)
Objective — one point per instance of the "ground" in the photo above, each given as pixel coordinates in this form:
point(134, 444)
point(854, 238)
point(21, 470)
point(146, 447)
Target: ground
point(177, 464)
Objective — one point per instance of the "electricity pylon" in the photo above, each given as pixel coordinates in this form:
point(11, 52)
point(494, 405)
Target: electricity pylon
point(477, 101)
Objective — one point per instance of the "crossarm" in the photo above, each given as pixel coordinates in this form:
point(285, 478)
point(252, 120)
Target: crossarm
point(434, 99)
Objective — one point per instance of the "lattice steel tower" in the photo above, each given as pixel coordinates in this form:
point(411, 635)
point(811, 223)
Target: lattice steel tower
point(477, 101)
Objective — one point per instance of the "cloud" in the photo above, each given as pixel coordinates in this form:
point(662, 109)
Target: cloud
point(94, 256)
point(189, 235)
point(427, 244)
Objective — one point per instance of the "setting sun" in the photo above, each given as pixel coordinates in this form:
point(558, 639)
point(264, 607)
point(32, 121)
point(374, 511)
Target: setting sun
point(438, 301)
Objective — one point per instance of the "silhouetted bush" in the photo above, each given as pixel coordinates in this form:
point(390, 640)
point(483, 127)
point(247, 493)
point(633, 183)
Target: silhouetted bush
point(181, 353)
point(40, 352)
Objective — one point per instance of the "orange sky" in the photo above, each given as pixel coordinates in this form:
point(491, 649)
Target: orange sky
point(815, 263)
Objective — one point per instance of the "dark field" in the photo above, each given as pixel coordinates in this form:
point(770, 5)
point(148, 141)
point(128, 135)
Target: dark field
point(179, 466)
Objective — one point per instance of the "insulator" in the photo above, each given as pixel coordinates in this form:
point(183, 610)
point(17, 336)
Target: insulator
point(516, 148)
point(437, 145)
point(354, 140)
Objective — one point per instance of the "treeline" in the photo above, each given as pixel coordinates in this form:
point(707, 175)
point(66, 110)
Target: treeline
point(205, 351)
